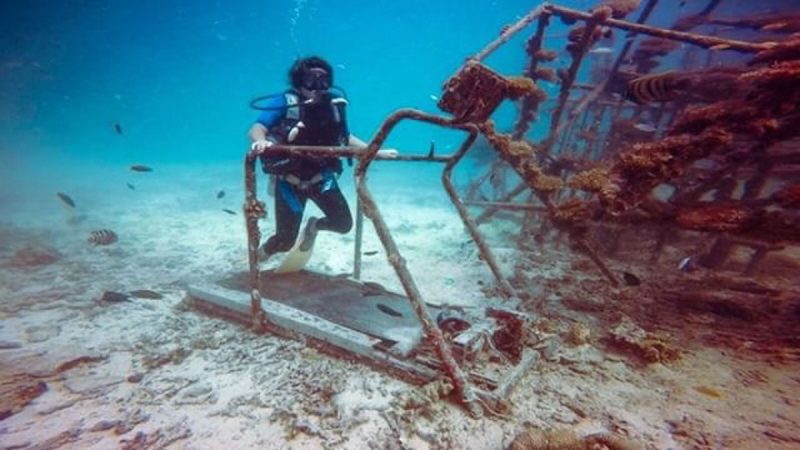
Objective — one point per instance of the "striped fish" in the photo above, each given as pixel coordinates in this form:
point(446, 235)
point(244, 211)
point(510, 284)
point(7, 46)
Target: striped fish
point(660, 87)
point(102, 237)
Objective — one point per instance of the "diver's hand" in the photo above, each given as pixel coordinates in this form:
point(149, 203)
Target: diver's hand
point(388, 153)
point(258, 147)
point(261, 145)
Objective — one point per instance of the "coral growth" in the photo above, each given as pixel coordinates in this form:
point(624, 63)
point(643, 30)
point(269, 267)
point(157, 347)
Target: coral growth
point(568, 439)
point(717, 217)
point(592, 180)
point(538, 439)
point(784, 51)
point(520, 154)
point(577, 35)
point(621, 8)
point(547, 74)
point(645, 346)
point(647, 54)
point(572, 211)
point(545, 55)
point(789, 196)
point(643, 166)
point(475, 91)
point(578, 334)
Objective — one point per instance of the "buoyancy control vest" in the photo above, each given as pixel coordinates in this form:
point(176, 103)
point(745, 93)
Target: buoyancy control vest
point(318, 121)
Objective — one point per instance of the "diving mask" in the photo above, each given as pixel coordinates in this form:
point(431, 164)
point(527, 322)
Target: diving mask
point(317, 79)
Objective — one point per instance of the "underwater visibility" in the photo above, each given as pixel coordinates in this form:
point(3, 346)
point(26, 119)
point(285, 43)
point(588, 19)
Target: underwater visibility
point(400, 224)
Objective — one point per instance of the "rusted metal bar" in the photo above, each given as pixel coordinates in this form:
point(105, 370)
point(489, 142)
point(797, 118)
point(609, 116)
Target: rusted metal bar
point(691, 38)
point(527, 112)
point(601, 87)
point(460, 382)
point(566, 83)
point(359, 240)
point(472, 227)
point(509, 31)
point(353, 152)
point(491, 210)
point(648, 8)
point(508, 206)
point(475, 185)
point(584, 245)
point(253, 210)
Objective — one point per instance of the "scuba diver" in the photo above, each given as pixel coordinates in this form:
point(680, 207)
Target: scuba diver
point(311, 112)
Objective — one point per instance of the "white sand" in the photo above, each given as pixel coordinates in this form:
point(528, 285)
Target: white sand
point(208, 384)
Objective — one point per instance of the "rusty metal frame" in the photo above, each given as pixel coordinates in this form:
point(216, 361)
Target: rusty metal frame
point(254, 210)
point(547, 10)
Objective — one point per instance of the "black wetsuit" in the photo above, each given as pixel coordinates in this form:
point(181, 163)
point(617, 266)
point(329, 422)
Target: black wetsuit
point(311, 178)
point(289, 215)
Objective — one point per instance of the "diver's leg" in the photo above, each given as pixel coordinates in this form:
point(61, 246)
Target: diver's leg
point(337, 212)
point(289, 206)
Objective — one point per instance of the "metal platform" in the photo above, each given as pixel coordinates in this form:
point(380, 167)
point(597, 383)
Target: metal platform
point(365, 307)
point(362, 318)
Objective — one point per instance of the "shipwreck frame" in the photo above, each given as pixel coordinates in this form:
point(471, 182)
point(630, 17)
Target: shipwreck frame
point(471, 95)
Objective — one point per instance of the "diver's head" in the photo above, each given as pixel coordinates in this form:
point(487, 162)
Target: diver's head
point(312, 74)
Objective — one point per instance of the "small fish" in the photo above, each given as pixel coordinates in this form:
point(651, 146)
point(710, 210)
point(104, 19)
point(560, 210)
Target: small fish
point(229, 211)
point(66, 199)
point(146, 293)
point(385, 309)
point(602, 50)
point(118, 128)
point(371, 252)
point(708, 391)
point(776, 26)
point(687, 265)
point(645, 127)
point(631, 279)
point(131, 187)
point(434, 98)
point(114, 297)
point(661, 87)
point(141, 168)
point(341, 66)
point(220, 194)
point(102, 237)
point(431, 150)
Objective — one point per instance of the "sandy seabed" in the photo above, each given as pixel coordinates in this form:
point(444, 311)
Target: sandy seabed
point(149, 373)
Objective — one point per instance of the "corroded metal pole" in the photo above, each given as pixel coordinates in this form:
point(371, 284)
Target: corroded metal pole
point(484, 249)
point(510, 30)
point(492, 209)
point(253, 211)
point(528, 107)
point(359, 239)
point(509, 206)
point(691, 38)
point(458, 377)
point(566, 83)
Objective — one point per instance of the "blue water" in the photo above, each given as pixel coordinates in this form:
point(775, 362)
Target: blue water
point(177, 76)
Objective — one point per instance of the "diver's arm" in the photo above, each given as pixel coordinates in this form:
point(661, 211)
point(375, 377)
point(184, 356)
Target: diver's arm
point(384, 152)
point(258, 136)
